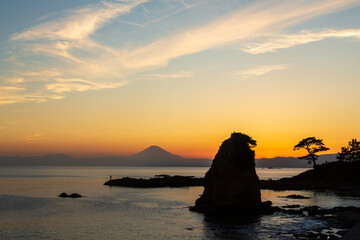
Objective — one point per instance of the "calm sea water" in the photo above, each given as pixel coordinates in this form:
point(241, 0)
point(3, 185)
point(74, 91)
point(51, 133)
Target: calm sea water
point(30, 208)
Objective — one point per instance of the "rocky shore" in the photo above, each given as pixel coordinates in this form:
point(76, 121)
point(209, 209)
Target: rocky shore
point(335, 176)
point(340, 221)
point(342, 177)
point(156, 182)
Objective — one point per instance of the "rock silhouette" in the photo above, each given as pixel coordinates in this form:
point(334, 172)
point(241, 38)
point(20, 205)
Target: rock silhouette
point(73, 195)
point(336, 176)
point(231, 184)
point(157, 182)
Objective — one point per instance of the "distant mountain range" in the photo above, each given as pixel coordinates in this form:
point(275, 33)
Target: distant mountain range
point(152, 156)
point(291, 162)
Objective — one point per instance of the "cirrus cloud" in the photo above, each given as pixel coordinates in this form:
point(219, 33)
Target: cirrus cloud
point(304, 37)
point(68, 59)
point(261, 70)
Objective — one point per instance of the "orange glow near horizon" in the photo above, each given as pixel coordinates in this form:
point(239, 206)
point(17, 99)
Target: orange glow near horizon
point(98, 79)
point(197, 148)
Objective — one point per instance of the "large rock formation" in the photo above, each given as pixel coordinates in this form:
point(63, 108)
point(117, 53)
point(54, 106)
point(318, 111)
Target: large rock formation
point(231, 184)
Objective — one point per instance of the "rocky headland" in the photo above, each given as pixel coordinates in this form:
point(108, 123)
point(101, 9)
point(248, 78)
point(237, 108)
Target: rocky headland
point(341, 177)
point(338, 176)
point(232, 188)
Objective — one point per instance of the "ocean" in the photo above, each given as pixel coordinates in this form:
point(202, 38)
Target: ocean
point(30, 208)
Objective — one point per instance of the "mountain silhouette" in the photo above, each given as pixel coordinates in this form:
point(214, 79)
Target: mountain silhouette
point(156, 153)
point(292, 162)
point(151, 156)
point(156, 156)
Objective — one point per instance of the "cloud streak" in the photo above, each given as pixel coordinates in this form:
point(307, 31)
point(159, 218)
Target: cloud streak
point(11, 94)
point(31, 138)
point(290, 40)
point(255, 21)
point(177, 75)
point(68, 59)
point(78, 85)
point(78, 24)
point(258, 71)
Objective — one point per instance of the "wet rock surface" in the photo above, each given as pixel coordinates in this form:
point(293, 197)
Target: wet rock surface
point(338, 221)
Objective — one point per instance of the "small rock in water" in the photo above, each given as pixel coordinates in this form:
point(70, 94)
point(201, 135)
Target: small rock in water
point(73, 195)
point(63, 195)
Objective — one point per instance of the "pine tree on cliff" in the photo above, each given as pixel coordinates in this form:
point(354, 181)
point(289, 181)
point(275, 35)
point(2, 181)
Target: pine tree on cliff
point(351, 152)
point(312, 145)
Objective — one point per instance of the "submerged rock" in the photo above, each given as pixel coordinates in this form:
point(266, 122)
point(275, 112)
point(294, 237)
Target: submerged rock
point(231, 184)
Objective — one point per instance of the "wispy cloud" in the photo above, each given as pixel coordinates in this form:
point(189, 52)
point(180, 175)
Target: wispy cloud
point(31, 138)
point(79, 63)
point(258, 71)
point(177, 75)
point(59, 39)
point(304, 37)
point(11, 94)
point(186, 7)
point(78, 85)
point(257, 20)
point(4, 89)
point(14, 80)
point(78, 24)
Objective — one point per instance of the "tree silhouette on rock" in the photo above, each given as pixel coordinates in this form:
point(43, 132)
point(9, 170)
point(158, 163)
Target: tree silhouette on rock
point(312, 145)
point(351, 152)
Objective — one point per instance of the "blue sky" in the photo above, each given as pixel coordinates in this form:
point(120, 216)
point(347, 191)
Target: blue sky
point(50, 46)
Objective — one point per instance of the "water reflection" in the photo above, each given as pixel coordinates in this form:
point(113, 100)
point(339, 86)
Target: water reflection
point(322, 199)
point(117, 172)
point(235, 227)
point(30, 209)
point(275, 226)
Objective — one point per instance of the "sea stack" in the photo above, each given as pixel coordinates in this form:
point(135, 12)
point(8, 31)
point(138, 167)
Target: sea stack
point(231, 184)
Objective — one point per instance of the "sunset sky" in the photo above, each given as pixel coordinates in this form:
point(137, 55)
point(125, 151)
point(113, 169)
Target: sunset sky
point(112, 77)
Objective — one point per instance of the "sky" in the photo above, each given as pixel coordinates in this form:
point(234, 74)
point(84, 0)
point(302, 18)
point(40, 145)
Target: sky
point(112, 77)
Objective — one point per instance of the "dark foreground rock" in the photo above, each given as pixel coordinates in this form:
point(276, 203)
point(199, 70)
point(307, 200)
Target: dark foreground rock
point(73, 195)
point(157, 181)
point(346, 218)
point(353, 233)
point(231, 184)
point(337, 176)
